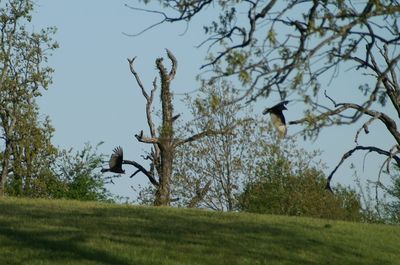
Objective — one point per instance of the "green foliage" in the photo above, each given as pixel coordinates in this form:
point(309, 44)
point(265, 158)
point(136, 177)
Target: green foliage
point(223, 159)
point(286, 184)
point(65, 174)
point(277, 176)
point(26, 150)
point(381, 199)
point(33, 157)
point(79, 176)
point(70, 232)
point(391, 206)
point(394, 206)
point(30, 165)
point(271, 36)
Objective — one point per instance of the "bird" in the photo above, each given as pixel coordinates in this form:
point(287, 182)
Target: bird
point(277, 117)
point(115, 162)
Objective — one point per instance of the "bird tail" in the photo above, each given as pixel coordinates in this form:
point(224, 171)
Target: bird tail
point(105, 170)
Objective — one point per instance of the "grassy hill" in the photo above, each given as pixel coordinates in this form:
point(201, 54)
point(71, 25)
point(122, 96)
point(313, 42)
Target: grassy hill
point(70, 232)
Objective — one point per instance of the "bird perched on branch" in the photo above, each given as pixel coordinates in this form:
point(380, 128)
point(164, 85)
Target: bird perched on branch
point(115, 162)
point(277, 117)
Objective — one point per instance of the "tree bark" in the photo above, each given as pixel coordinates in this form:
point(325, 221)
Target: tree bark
point(167, 133)
point(4, 172)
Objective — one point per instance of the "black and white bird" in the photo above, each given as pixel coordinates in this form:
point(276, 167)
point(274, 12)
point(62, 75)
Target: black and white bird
point(115, 162)
point(277, 117)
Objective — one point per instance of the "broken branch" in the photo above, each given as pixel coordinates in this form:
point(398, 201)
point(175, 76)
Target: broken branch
point(147, 140)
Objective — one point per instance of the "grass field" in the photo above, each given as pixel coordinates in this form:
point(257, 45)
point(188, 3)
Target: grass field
point(70, 232)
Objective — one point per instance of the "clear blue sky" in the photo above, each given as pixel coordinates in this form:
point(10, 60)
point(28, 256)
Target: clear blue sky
point(95, 98)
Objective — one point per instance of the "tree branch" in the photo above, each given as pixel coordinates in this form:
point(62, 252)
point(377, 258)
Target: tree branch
point(140, 168)
point(202, 134)
point(340, 107)
point(350, 153)
point(200, 193)
point(137, 77)
point(174, 65)
point(246, 38)
point(134, 173)
point(149, 101)
point(147, 140)
point(365, 128)
point(187, 12)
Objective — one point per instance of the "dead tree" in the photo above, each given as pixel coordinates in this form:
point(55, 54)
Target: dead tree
point(163, 142)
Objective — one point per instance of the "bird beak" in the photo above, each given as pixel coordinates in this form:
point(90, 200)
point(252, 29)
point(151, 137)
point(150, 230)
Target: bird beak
point(265, 111)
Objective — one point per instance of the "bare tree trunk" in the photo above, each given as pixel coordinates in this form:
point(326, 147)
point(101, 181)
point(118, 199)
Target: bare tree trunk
point(162, 197)
point(8, 124)
point(4, 171)
point(164, 142)
point(167, 133)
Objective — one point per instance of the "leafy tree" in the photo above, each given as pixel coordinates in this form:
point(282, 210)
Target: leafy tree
point(394, 204)
point(381, 198)
point(70, 175)
point(26, 152)
point(33, 157)
point(29, 163)
point(79, 176)
point(210, 172)
point(287, 184)
point(291, 47)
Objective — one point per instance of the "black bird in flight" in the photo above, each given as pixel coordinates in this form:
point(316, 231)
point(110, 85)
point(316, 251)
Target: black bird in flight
point(277, 117)
point(115, 162)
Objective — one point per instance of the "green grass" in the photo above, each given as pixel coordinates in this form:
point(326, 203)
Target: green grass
point(70, 232)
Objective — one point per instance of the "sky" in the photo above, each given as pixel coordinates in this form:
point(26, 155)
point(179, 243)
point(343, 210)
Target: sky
point(94, 97)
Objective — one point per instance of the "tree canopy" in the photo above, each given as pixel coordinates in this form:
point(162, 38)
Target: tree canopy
point(291, 49)
point(30, 164)
point(288, 181)
point(26, 150)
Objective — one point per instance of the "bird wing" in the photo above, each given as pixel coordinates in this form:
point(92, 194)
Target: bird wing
point(284, 102)
point(278, 107)
point(266, 111)
point(116, 158)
